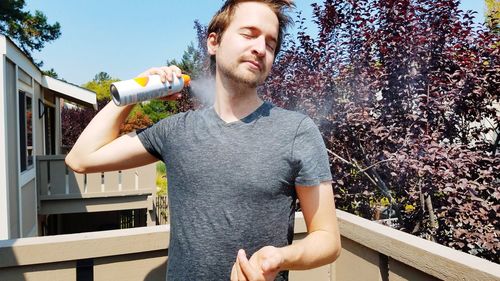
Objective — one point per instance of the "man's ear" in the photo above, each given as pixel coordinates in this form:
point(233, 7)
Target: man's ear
point(212, 44)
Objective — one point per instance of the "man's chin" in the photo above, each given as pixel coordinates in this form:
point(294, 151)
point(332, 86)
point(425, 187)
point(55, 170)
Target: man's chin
point(245, 77)
point(251, 80)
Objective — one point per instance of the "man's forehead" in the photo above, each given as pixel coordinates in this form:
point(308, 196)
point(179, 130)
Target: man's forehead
point(255, 15)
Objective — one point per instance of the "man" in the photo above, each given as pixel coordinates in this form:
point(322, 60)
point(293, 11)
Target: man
point(234, 168)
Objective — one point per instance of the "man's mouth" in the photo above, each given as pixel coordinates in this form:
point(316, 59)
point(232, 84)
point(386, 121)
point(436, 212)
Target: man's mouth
point(254, 64)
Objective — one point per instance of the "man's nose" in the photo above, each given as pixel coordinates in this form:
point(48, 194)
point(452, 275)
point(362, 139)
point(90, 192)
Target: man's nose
point(259, 46)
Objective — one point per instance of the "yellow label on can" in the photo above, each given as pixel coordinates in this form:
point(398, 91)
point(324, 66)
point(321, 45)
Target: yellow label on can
point(143, 81)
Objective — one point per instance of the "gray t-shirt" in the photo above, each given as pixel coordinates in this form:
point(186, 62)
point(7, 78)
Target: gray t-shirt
point(232, 185)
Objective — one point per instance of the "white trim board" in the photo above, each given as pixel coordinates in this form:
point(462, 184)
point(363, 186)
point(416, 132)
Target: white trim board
point(4, 175)
point(70, 90)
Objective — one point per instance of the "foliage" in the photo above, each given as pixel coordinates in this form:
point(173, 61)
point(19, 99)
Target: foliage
point(51, 73)
point(158, 109)
point(100, 85)
point(195, 62)
point(161, 179)
point(74, 120)
point(30, 31)
point(135, 121)
point(493, 14)
point(401, 90)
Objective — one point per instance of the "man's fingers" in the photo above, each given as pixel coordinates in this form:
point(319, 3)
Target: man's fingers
point(247, 269)
point(234, 274)
point(166, 72)
point(177, 71)
point(239, 271)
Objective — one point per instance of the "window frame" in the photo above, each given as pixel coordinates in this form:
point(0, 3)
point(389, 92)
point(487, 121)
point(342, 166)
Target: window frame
point(28, 173)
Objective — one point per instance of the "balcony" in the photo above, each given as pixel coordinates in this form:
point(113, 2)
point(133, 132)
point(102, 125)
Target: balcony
point(370, 252)
point(62, 191)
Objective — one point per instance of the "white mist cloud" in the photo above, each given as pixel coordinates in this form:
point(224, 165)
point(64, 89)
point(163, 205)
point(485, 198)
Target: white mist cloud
point(204, 89)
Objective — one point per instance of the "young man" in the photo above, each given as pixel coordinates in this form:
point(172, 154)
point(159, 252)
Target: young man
point(235, 168)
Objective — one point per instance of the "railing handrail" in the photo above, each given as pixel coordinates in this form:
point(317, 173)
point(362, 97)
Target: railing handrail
point(66, 247)
point(427, 256)
point(110, 194)
point(422, 255)
point(55, 180)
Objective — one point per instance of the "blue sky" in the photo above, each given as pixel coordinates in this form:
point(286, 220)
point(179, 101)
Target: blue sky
point(126, 39)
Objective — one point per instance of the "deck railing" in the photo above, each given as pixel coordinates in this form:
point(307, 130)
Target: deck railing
point(56, 182)
point(369, 252)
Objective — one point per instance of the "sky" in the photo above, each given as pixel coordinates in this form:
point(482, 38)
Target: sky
point(125, 38)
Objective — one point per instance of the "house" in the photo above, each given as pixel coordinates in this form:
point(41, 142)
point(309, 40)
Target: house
point(39, 195)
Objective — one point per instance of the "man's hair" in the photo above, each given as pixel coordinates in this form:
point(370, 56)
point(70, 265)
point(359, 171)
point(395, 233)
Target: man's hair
point(223, 18)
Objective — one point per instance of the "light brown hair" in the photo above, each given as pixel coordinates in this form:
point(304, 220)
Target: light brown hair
point(223, 17)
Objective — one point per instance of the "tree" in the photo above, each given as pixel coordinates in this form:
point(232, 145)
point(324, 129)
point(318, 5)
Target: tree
point(74, 120)
point(399, 90)
point(51, 73)
point(156, 109)
point(102, 77)
point(137, 120)
point(100, 85)
point(30, 31)
point(195, 62)
point(493, 14)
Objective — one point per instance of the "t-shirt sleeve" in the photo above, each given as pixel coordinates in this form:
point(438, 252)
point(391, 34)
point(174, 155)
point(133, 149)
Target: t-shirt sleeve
point(153, 137)
point(309, 155)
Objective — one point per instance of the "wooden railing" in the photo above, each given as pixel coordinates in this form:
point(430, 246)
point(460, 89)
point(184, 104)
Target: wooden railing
point(57, 182)
point(369, 252)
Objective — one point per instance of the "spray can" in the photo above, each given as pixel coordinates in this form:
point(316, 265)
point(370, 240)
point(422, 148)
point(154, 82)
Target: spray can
point(146, 88)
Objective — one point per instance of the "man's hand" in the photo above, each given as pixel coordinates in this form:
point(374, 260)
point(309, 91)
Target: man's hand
point(264, 265)
point(167, 74)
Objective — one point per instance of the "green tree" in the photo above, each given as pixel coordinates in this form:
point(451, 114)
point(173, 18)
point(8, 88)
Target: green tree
point(194, 62)
point(493, 14)
point(51, 73)
point(191, 61)
point(100, 85)
point(102, 76)
point(30, 31)
point(158, 109)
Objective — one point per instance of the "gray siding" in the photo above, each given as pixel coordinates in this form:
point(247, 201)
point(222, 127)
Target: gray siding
point(29, 209)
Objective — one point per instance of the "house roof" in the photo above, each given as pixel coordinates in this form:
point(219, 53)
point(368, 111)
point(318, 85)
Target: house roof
point(63, 89)
point(70, 91)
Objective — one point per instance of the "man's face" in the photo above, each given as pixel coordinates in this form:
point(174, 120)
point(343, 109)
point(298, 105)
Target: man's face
point(245, 52)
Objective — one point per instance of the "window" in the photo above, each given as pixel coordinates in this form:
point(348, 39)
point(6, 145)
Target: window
point(25, 131)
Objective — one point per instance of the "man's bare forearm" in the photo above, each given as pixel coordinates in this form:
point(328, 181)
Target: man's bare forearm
point(316, 249)
point(103, 129)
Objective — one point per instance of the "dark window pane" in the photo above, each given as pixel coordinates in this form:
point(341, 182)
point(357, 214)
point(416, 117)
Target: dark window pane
point(50, 133)
point(22, 131)
point(29, 132)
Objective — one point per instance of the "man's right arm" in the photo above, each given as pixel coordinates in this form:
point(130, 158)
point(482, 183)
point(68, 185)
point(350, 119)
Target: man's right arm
point(100, 148)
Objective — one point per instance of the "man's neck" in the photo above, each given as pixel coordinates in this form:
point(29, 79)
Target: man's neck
point(234, 101)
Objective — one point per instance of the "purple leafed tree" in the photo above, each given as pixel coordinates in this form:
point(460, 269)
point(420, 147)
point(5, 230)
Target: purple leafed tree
point(404, 93)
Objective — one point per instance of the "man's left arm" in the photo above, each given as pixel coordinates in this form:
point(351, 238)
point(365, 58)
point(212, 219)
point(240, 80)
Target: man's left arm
point(321, 245)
